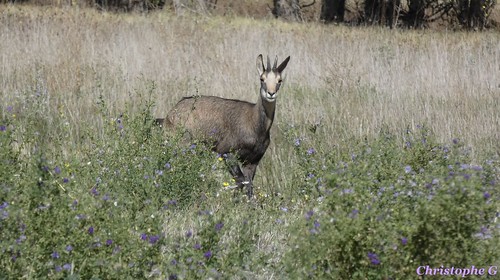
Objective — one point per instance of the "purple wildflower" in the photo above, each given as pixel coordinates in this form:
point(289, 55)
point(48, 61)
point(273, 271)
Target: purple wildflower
point(80, 217)
point(153, 239)
point(91, 230)
point(105, 197)
point(354, 213)
point(197, 246)
point(219, 226)
point(55, 255)
point(476, 167)
point(404, 241)
point(455, 141)
point(109, 242)
point(313, 231)
point(311, 151)
point(67, 266)
point(309, 214)
point(57, 170)
point(94, 191)
point(407, 169)
point(69, 248)
point(144, 236)
point(172, 277)
point(373, 258)
point(4, 215)
point(21, 239)
point(486, 195)
point(58, 268)
point(172, 202)
point(208, 254)
point(65, 180)
point(189, 233)
point(4, 205)
point(3, 128)
point(316, 224)
point(168, 166)
point(297, 142)
point(347, 191)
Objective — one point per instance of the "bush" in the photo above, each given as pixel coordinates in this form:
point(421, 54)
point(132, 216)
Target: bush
point(98, 207)
point(390, 207)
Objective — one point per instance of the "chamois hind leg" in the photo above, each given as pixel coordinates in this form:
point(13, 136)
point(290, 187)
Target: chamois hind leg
point(249, 172)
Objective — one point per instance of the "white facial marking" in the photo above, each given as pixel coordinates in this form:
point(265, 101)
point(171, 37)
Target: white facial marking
point(270, 86)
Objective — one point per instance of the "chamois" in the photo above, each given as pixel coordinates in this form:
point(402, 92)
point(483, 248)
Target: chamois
point(236, 128)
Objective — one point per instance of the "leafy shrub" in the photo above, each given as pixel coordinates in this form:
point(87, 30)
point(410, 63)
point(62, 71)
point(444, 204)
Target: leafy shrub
point(101, 207)
point(390, 207)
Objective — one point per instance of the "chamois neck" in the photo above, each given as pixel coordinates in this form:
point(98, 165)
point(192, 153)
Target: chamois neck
point(265, 113)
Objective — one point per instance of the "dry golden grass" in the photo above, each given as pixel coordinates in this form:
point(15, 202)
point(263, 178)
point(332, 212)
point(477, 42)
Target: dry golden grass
point(352, 80)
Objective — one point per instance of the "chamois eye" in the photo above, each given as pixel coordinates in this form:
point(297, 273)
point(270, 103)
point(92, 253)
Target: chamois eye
point(262, 79)
point(279, 81)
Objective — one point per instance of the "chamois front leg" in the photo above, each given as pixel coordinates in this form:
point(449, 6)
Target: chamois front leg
point(235, 170)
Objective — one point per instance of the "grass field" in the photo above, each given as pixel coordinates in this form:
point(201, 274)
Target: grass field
point(384, 154)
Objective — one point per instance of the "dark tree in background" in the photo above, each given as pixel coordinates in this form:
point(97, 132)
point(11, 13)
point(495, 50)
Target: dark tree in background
point(415, 17)
point(463, 14)
point(383, 12)
point(332, 10)
point(474, 13)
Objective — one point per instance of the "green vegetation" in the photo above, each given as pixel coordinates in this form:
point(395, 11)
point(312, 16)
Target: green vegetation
point(131, 205)
point(370, 174)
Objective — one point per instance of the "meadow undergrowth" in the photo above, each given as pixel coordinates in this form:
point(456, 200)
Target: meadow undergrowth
point(128, 202)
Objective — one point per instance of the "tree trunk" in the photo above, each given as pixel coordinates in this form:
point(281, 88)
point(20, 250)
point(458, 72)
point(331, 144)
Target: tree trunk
point(416, 13)
point(383, 12)
point(332, 10)
point(470, 13)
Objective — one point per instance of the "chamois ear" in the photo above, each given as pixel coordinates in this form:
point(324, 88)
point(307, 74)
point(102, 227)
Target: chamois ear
point(283, 65)
point(260, 65)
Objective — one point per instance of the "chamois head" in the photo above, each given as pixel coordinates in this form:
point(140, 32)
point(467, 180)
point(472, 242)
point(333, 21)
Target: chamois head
point(270, 77)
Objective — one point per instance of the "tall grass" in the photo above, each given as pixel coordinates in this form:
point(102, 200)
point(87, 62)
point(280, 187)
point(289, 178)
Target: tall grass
point(351, 79)
point(380, 134)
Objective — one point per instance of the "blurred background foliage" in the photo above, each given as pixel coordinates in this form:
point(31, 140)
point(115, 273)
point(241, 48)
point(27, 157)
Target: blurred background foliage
point(455, 14)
